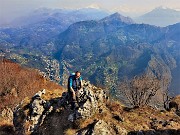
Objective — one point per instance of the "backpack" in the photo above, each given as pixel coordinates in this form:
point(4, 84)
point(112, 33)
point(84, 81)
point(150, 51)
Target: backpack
point(70, 76)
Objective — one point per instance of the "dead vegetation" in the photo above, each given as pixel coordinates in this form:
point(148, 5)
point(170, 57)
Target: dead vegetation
point(133, 119)
point(17, 82)
point(140, 90)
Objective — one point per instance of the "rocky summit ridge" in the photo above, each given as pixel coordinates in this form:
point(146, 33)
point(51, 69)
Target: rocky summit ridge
point(34, 114)
point(96, 115)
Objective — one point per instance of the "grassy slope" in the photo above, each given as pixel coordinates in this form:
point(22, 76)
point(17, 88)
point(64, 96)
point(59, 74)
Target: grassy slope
point(18, 83)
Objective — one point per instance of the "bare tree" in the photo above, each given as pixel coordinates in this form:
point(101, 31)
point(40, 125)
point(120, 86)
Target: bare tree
point(167, 98)
point(140, 90)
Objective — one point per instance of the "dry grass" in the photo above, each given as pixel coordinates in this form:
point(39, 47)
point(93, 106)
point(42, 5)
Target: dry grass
point(115, 106)
point(70, 131)
point(139, 119)
point(17, 83)
point(52, 94)
point(133, 119)
point(177, 99)
point(4, 121)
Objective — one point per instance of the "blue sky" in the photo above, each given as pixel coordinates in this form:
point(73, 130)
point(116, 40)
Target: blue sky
point(10, 9)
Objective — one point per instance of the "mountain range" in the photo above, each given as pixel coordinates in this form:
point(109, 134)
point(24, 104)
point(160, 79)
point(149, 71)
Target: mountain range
point(104, 49)
point(114, 47)
point(160, 16)
point(63, 17)
point(43, 24)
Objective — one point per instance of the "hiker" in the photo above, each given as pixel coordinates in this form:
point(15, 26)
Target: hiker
point(74, 85)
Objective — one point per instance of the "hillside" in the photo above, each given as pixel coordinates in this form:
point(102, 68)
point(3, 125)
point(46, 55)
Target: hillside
point(96, 115)
point(17, 83)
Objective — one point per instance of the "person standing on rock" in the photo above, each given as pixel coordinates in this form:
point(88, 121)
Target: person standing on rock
point(74, 85)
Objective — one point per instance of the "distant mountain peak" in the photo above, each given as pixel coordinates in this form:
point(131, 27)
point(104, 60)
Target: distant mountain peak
point(163, 8)
point(160, 16)
point(118, 17)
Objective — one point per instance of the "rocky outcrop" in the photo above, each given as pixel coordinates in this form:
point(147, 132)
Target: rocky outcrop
point(100, 127)
point(90, 100)
point(97, 128)
point(37, 110)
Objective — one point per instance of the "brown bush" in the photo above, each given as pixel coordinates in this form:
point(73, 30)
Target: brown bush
point(140, 90)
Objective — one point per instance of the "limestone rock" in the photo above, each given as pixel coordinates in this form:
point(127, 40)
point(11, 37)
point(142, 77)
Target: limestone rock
point(90, 98)
point(97, 128)
point(38, 109)
point(100, 127)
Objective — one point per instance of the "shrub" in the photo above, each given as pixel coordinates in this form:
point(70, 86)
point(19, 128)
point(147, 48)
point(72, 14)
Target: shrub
point(140, 90)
